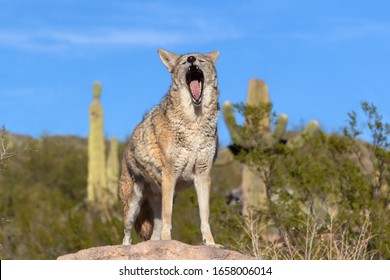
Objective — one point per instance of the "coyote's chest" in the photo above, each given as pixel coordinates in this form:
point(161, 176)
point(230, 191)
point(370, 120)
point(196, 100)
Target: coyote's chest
point(186, 160)
point(193, 153)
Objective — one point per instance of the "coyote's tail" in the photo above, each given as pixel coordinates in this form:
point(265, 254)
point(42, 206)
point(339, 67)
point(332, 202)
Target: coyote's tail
point(144, 222)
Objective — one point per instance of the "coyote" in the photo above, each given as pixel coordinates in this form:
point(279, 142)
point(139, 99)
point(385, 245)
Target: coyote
point(172, 149)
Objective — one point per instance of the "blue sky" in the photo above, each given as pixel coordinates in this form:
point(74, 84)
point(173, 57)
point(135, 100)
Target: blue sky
point(320, 59)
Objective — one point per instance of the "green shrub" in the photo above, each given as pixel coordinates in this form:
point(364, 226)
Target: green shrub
point(334, 179)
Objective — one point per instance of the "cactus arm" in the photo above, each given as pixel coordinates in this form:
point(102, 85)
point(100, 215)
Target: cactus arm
point(280, 127)
point(310, 130)
point(230, 121)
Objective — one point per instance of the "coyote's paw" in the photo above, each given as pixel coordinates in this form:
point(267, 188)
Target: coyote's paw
point(126, 241)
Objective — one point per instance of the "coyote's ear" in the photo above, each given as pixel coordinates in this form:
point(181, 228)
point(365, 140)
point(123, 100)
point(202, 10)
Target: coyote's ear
point(213, 56)
point(169, 59)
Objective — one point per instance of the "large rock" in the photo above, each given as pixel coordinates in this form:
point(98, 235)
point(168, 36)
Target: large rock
point(155, 250)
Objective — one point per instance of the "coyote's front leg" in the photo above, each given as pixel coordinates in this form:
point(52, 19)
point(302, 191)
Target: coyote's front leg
point(167, 189)
point(202, 187)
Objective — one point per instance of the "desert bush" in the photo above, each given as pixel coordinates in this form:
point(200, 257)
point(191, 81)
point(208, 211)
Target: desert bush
point(43, 223)
point(6, 153)
point(42, 202)
point(337, 180)
point(316, 242)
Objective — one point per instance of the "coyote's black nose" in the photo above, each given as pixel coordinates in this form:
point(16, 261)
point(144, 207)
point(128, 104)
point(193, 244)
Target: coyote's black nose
point(191, 59)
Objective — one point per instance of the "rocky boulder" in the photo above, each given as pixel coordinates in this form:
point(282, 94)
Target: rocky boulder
point(156, 250)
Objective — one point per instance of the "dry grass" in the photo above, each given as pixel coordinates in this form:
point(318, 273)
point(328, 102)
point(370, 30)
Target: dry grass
point(6, 153)
point(317, 242)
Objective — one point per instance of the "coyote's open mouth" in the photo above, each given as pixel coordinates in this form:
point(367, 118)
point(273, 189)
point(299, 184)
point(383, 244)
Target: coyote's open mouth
point(194, 79)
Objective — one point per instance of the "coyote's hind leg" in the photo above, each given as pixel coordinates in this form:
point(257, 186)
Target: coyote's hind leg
point(132, 203)
point(155, 201)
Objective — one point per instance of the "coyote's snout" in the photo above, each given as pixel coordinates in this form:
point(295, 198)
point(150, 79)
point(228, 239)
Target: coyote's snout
point(172, 149)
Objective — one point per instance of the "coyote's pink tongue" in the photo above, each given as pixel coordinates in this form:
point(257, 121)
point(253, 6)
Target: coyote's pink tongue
point(195, 89)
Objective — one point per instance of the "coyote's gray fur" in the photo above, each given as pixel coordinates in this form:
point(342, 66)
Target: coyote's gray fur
point(173, 148)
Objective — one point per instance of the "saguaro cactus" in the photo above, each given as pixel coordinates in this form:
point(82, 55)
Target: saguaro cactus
point(96, 149)
point(253, 185)
point(112, 171)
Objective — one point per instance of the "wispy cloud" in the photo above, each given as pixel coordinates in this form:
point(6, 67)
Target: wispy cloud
point(58, 41)
point(115, 37)
point(69, 28)
point(29, 41)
